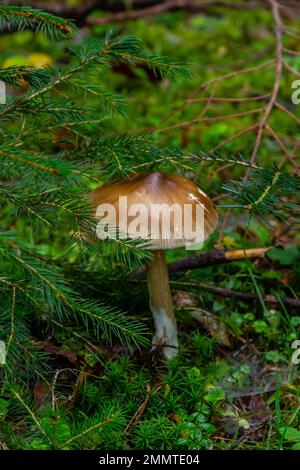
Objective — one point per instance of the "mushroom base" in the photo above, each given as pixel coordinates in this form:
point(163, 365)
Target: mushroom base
point(165, 333)
point(161, 305)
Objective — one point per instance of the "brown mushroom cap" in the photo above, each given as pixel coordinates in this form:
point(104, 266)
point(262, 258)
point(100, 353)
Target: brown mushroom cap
point(164, 189)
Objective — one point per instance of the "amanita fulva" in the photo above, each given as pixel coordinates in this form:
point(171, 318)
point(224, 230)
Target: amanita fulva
point(166, 194)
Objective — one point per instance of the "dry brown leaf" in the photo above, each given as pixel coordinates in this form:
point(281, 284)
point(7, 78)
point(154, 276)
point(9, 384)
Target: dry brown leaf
point(184, 299)
point(213, 325)
point(71, 356)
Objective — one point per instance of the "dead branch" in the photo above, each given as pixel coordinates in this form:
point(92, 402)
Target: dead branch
point(245, 296)
point(229, 100)
point(291, 69)
point(209, 83)
point(278, 73)
point(234, 137)
point(142, 8)
point(285, 110)
point(139, 413)
point(215, 257)
point(281, 145)
point(141, 13)
point(192, 6)
point(250, 297)
point(213, 118)
point(222, 228)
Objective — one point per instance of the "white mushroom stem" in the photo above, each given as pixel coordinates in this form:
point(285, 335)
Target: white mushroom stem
point(161, 305)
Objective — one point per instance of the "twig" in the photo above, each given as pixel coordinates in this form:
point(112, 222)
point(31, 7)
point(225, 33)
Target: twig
point(29, 162)
point(229, 100)
point(245, 296)
point(234, 137)
point(12, 319)
point(140, 411)
point(278, 73)
point(291, 33)
point(215, 257)
point(291, 52)
point(213, 81)
point(169, 5)
point(276, 86)
point(252, 429)
point(101, 424)
point(291, 69)
point(53, 385)
point(16, 395)
point(222, 229)
point(142, 8)
point(267, 190)
point(141, 13)
point(211, 119)
point(285, 110)
point(282, 146)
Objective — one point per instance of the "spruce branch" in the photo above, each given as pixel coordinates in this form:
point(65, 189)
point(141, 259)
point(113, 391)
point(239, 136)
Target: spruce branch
point(91, 53)
point(266, 193)
point(33, 76)
point(48, 285)
point(18, 395)
point(22, 17)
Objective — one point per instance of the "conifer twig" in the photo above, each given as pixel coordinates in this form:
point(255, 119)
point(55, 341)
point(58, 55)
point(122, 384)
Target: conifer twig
point(140, 411)
point(12, 319)
point(102, 424)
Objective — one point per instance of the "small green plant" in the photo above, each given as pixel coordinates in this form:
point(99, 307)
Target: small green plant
point(291, 437)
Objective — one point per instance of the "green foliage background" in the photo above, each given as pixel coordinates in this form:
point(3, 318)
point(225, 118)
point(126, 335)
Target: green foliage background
point(76, 323)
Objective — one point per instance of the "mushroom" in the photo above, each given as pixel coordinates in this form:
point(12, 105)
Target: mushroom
point(157, 198)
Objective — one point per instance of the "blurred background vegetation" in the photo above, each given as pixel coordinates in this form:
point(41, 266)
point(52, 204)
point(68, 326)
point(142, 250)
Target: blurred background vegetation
point(226, 120)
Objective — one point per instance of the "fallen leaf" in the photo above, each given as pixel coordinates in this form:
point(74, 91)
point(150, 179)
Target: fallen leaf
point(41, 393)
point(184, 299)
point(71, 356)
point(213, 325)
